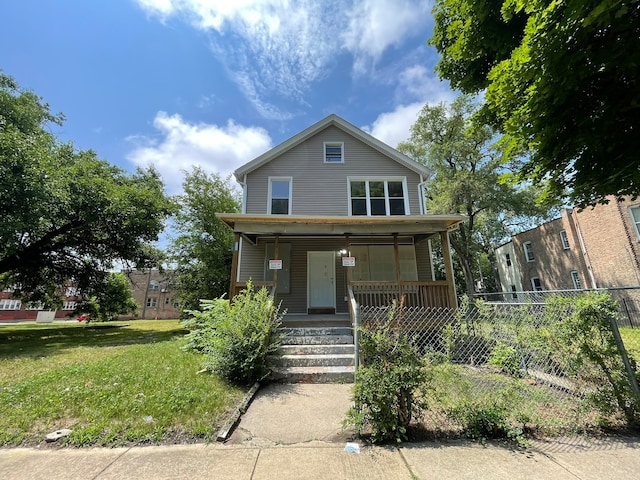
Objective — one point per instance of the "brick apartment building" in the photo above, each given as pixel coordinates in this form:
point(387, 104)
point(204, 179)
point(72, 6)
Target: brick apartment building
point(13, 309)
point(593, 248)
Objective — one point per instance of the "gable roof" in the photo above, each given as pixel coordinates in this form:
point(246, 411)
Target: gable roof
point(331, 120)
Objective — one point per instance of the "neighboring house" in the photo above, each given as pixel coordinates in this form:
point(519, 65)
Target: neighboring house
point(153, 293)
point(592, 248)
point(333, 214)
point(13, 309)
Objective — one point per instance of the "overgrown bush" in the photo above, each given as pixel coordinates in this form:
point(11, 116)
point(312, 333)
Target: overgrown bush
point(506, 358)
point(387, 392)
point(237, 337)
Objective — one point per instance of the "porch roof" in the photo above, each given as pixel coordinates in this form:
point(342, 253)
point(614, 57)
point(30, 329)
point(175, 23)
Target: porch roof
point(252, 226)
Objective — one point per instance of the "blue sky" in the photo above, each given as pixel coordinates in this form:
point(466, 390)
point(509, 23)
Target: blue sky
point(177, 83)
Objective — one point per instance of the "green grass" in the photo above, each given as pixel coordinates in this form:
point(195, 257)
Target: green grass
point(631, 340)
point(111, 385)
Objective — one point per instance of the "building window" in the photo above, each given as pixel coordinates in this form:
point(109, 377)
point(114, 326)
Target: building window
point(279, 196)
point(377, 197)
point(34, 306)
point(69, 306)
point(167, 301)
point(536, 284)
point(635, 217)
point(528, 252)
point(71, 292)
point(507, 257)
point(154, 285)
point(152, 301)
point(333, 152)
point(10, 304)
point(565, 239)
point(513, 292)
point(576, 280)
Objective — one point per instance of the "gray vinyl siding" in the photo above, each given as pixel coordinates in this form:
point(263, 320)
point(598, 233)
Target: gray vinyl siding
point(320, 188)
point(252, 266)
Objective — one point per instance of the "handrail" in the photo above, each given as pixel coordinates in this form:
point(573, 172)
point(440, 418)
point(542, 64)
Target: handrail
point(354, 314)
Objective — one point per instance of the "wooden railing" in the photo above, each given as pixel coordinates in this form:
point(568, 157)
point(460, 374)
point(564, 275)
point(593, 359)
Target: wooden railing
point(270, 286)
point(416, 294)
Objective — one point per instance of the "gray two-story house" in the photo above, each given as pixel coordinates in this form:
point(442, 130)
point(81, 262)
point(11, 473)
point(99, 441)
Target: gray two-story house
point(334, 216)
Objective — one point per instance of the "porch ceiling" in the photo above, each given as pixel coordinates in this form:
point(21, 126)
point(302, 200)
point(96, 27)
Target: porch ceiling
point(256, 225)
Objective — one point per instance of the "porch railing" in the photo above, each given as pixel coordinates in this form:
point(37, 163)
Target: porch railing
point(416, 294)
point(239, 286)
point(354, 315)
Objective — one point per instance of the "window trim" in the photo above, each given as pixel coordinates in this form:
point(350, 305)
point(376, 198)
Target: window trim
point(270, 198)
point(633, 220)
point(10, 304)
point(385, 179)
point(564, 239)
point(507, 260)
point(333, 144)
point(526, 252)
point(152, 302)
point(575, 277)
point(533, 285)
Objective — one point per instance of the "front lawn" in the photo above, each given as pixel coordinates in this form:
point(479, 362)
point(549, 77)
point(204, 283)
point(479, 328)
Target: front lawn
point(631, 339)
point(112, 385)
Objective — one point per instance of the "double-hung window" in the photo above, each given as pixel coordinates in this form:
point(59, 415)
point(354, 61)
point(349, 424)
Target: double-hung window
point(378, 197)
point(576, 280)
point(528, 252)
point(333, 152)
point(564, 239)
point(536, 284)
point(635, 217)
point(280, 195)
point(10, 304)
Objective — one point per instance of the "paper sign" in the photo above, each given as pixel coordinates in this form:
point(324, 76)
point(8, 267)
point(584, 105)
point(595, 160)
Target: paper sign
point(275, 264)
point(348, 261)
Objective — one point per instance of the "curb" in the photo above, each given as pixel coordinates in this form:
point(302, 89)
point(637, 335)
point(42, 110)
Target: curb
point(226, 431)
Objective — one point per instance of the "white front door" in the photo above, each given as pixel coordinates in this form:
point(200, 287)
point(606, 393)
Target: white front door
point(321, 274)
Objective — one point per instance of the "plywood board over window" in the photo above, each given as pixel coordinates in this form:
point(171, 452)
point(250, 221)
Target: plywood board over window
point(284, 274)
point(377, 263)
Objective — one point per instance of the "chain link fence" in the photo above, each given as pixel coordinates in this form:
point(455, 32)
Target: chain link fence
point(515, 368)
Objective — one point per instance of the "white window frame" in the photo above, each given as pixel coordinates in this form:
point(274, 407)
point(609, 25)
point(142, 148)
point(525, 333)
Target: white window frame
point(34, 306)
point(564, 239)
point(154, 285)
point(10, 304)
point(533, 284)
point(575, 277)
point(269, 197)
point(528, 252)
point(69, 305)
point(152, 302)
point(405, 194)
point(330, 145)
point(635, 218)
point(71, 292)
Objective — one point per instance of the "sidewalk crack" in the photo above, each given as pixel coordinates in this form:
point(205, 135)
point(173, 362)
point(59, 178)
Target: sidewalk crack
point(255, 464)
point(110, 463)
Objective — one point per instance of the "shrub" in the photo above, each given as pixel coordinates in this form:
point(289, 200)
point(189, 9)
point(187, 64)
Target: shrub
point(387, 391)
point(506, 358)
point(237, 337)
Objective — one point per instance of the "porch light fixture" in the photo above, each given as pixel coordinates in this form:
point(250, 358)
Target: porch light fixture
point(342, 252)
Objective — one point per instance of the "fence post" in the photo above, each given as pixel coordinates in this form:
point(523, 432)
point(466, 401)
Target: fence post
point(633, 381)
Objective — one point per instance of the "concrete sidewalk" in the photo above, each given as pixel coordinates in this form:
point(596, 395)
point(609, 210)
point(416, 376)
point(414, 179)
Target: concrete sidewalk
point(294, 432)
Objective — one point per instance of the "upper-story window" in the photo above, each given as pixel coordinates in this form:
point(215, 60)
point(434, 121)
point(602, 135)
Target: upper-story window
point(635, 217)
point(280, 195)
point(377, 197)
point(528, 252)
point(536, 284)
point(564, 239)
point(507, 258)
point(333, 152)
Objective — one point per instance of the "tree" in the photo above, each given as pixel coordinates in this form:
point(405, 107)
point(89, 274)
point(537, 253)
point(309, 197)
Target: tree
point(202, 248)
point(66, 215)
point(110, 299)
point(562, 78)
point(469, 169)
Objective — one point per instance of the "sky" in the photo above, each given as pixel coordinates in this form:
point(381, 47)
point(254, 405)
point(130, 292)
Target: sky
point(216, 83)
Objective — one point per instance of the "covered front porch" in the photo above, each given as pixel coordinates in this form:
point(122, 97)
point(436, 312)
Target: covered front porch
point(321, 265)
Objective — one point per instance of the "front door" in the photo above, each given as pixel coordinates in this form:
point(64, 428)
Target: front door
point(321, 274)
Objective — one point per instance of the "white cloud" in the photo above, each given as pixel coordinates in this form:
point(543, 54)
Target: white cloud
point(395, 127)
point(183, 145)
point(275, 50)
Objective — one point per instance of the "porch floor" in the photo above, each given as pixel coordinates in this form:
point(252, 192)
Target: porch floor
point(320, 320)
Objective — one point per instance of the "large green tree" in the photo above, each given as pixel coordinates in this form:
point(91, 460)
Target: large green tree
point(201, 251)
point(470, 170)
point(561, 77)
point(106, 301)
point(65, 214)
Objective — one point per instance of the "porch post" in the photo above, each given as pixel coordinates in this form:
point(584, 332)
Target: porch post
point(396, 253)
point(277, 257)
point(234, 265)
point(448, 267)
point(348, 248)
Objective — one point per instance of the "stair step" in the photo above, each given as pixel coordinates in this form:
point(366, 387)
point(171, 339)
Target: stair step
point(318, 340)
point(314, 360)
point(318, 349)
point(342, 374)
point(315, 331)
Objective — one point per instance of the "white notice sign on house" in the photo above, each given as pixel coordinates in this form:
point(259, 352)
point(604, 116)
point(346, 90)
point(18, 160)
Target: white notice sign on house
point(348, 261)
point(275, 264)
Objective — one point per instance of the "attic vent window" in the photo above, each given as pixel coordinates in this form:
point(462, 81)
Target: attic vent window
point(333, 152)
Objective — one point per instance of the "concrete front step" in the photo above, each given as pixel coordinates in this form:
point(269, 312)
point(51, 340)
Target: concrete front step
point(318, 340)
point(315, 331)
point(333, 374)
point(314, 360)
point(318, 349)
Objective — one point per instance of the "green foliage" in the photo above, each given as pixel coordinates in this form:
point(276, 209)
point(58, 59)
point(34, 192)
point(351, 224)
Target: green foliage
point(468, 165)
point(202, 248)
point(65, 213)
point(105, 302)
point(387, 393)
point(578, 126)
point(237, 338)
point(506, 358)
